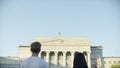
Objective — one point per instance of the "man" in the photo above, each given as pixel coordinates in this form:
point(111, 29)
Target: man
point(34, 61)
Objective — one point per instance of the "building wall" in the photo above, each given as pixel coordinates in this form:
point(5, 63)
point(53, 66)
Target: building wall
point(13, 62)
point(9, 62)
point(96, 57)
point(109, 61)
point(59, 53)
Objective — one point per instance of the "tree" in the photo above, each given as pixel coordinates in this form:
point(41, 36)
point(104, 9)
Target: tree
point(115, 66)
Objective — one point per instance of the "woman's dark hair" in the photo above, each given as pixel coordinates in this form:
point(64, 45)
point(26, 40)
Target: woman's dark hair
point(79, 61)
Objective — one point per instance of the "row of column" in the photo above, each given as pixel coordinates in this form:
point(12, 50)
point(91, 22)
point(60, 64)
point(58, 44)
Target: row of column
point(62, 59)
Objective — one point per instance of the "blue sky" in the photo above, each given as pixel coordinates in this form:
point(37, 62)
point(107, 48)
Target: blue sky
point(21, 21)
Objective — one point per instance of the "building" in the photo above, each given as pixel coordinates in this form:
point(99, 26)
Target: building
point(9, 62)
point(111, 61)
point(59, 52)
point(96, 57)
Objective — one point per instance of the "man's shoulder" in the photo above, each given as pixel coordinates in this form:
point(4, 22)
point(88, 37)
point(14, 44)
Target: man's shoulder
point(42, 60)
point(35, 60)
point(43, 63)
point(25, 60)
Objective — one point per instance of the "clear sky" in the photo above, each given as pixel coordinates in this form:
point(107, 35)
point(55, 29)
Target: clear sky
point(21, 21)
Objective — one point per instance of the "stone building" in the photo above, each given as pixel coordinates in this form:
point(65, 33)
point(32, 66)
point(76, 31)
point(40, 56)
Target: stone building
point(111, 61)
point(59, 52)
point(9, 62)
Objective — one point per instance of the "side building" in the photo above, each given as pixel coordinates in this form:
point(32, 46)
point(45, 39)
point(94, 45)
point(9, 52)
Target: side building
point(96, 57)
point(9, 62)
point(111, 62)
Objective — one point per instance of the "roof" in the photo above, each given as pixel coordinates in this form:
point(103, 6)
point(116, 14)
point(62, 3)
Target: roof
point(112, 57)
point(63, 41)
point(100, 47)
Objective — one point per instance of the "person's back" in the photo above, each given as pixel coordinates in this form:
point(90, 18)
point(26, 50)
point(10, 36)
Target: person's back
point(34, 61)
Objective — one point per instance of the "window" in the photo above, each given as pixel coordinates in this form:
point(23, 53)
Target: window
point(104, 62)
point(109, 62)
point(114, 62)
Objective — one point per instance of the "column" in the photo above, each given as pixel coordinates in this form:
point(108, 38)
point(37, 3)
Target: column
point(64, 59)
point(40, 54)
point(89, 59)
point(72, 58)
point(56, 58)
point(47, 56)
point(86, 56)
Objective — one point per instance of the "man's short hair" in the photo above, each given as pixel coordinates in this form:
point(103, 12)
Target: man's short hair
point(36, 47)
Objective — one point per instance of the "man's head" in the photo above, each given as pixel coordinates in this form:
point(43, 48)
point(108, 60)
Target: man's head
point(35, 47)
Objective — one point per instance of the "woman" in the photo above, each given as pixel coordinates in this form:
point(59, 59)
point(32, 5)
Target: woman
point(79, 61)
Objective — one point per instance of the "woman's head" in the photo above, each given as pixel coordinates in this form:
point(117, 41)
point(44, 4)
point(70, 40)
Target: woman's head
point(79, 61)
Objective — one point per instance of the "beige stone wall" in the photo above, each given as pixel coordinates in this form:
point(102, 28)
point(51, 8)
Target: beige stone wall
point(109, 61)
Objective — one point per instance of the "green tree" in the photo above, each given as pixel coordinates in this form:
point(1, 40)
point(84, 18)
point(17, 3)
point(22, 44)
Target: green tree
point(115, 66)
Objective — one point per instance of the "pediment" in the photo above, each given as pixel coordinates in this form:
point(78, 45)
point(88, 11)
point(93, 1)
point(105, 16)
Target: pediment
point(63, 41)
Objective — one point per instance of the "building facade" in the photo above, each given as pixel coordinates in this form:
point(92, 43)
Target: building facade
point(59, 52)
point(96, 57)
point(111, 61)
point(9, 62)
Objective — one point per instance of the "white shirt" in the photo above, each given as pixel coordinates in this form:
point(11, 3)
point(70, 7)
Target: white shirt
point(34, 62)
